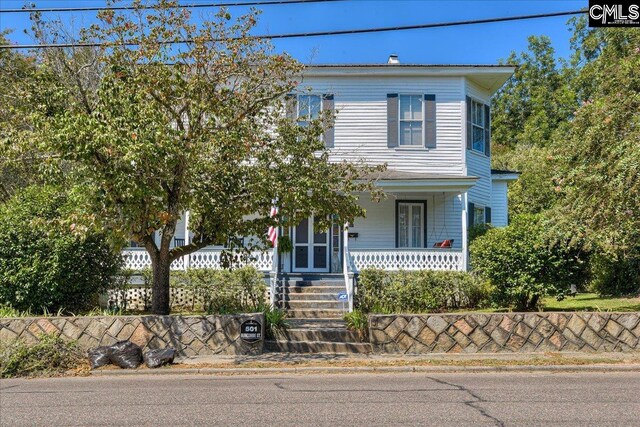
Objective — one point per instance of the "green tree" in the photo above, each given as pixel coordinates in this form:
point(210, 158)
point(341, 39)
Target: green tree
point(600, 150)
point(535, 101)
point(526, 113)
point(21, 87)
point(196, 126)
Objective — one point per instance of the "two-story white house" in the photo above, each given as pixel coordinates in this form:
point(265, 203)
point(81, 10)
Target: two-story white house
point(430, 124)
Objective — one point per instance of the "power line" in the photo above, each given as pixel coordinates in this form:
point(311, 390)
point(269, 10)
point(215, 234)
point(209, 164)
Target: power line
point(181, 6)
point(318, 33)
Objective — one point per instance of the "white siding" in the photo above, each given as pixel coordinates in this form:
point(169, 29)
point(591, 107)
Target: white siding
point(378, 229)
point(361, 121)
point(499, 212)
point(477, 163)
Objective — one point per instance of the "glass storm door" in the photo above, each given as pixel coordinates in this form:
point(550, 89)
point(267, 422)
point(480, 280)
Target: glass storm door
point(310, 249)
point(410, 225)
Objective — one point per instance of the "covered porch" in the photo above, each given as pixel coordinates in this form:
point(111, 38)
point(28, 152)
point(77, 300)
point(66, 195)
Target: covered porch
point(420, 225)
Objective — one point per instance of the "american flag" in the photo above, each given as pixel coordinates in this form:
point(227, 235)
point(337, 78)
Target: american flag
point(273, 231)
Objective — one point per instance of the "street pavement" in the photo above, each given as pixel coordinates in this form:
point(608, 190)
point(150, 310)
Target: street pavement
point(399, 399)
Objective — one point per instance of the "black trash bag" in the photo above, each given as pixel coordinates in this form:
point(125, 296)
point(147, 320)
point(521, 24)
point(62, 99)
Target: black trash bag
point(157, 358)
point(125, 354)
point(99, 356)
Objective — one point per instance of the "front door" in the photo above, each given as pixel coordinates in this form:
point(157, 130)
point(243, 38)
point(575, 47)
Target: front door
point(310, 248)
point(411, 225)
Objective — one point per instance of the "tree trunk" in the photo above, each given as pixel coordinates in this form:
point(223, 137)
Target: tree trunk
point(161, 289)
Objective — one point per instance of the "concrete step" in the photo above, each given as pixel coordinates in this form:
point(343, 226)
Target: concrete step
point(309, 297)
point(317, 347)
point(311, 276)
point(315, 303)
point(319, 323)
point(300, 313)
point(319, 334)
point(313, 289)
point(305, 282)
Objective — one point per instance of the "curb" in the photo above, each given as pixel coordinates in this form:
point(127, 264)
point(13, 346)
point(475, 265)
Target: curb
point(369, 369)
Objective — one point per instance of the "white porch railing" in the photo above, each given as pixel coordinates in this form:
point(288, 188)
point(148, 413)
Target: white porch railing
point(407, 259)
point(138, 259)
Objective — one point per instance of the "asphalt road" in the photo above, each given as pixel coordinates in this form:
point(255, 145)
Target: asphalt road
point(576, 399)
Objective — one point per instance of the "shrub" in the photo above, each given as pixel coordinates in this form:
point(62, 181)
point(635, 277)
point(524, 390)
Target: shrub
point(478, 230)
point(51, 356)
point(229, 291)
point(616, 276)
point(276, 322)
point(524, 264)
point(423, 291)
point(357, 321)
point(45, 265)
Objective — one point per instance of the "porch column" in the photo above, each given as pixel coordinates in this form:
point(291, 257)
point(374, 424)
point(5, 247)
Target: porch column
point(273, 274)
point(187, 259)
point(346, 263)
point(465, 234)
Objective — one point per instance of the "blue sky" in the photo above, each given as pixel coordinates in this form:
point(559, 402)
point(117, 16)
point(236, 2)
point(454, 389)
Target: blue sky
point(477, 44)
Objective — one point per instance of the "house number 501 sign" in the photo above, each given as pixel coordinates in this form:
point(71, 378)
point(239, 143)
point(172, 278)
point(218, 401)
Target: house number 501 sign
point(250, 331)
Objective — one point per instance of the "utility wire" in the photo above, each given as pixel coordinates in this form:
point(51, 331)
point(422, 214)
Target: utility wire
point(180, 6)
point(318, 33)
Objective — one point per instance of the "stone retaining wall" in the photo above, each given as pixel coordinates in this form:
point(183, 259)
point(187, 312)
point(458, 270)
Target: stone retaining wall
point(189, 335)
point(504, 332)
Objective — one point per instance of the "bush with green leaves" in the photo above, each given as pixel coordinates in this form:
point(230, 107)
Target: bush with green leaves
point(357, 321)
point(46, 263)
point(224, 291)
point(478, 230)
point(616, 275)
point(524, 263)
point(276, 322)
point(422, 291)
point(50, 356)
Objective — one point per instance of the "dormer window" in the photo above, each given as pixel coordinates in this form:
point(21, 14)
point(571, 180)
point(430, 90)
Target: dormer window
point(410, 118)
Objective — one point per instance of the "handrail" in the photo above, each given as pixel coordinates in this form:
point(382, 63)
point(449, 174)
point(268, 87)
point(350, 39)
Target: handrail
point(347, 267)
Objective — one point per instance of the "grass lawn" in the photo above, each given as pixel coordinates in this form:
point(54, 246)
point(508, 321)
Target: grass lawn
point(591, 302)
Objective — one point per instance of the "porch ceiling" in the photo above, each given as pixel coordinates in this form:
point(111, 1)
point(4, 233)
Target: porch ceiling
point(401, 181)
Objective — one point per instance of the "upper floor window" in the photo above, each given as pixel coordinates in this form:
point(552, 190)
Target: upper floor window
point(478, 215)
point(478, 126)
point(410, 120)
point(309, 107)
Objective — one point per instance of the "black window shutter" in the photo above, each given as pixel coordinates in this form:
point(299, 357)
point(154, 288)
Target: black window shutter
point(471, 213)
point(290, 106)
point(392, 120)
point(487, 215)
point(327, 104)
point(469, 128)
point(430, 121)
point(487, 130)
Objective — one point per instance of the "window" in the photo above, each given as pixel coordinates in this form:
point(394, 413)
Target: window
point(309, 107)
point(477, 123)
point(410, 225)
point(478, 215)
point(410, 120)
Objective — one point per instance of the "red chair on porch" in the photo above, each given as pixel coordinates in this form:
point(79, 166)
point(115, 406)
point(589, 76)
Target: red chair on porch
point(445, 244)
